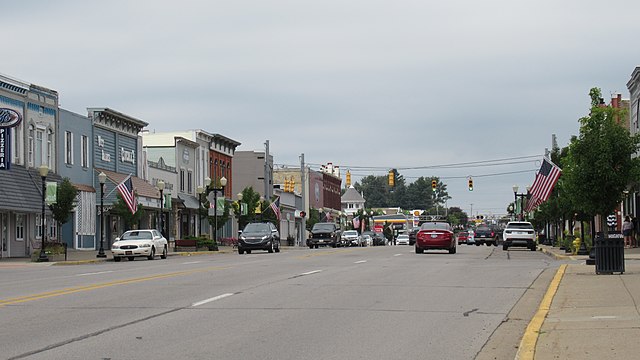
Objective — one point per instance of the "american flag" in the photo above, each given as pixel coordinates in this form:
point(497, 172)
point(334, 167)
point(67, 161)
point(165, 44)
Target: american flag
point(546, 179)
point(126, 190)
point(275, 206)
point(356, 222)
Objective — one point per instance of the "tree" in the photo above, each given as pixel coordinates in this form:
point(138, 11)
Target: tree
point(599, 164)
point(65, 201)
point(121, 209)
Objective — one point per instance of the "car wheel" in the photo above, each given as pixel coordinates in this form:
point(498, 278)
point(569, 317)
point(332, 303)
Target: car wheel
point(248, 251)
point(453, 250)
point(164, 253)
point(310, 246)
point(505, 247)
point(117, 258)
point(131, 258)
point(240, 251)
point(495, 242)
point(277, 249)
point(533, 247)
point(317, 246)
point(419, 250)
point(487, 243)
point(477, 243)
point(270, 249)
point(153, 254)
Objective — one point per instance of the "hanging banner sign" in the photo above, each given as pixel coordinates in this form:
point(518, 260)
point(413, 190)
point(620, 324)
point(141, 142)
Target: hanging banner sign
point(5, 148)
point(52, 191)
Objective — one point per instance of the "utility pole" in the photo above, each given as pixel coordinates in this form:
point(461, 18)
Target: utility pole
point(267, 174)
point(471, 211)
point(303, 187)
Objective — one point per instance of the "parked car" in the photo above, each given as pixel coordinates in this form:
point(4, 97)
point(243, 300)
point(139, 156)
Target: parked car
point(486, 234)
point(462, 237)
point(402, 239)
point(377, 239)
point(324, 234)
point(412, 235)
point(137, 243)
point(350, 238)
point(259, 236)
point(519, 233)
point(435, 235)
point(366, 240)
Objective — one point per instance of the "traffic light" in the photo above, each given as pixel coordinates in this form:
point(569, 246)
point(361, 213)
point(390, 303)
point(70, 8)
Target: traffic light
point(348, 178)
point(434, 184)
point(292, 184)
point(470, 184)
point(392, 178)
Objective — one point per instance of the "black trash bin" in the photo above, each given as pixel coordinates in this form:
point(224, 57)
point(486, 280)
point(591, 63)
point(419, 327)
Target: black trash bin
point(609, 254)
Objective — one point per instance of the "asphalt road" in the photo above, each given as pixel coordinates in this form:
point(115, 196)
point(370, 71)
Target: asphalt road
point(355, 303)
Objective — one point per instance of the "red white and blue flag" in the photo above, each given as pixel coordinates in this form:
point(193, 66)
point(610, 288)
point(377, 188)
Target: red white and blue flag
point(275, 206)
point(356, 222)
point(126, 190)
point(546, 179)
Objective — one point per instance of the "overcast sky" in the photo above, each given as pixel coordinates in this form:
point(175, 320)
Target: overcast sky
point(371, 83)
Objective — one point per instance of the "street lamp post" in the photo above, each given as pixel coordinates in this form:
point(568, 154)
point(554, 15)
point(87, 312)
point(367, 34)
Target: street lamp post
point(44, 170)
point(223, 183)
point(522, 196)
point(261, 211)
point(240, 196)
point(199, 191)
point(102, 177)
point(161, 188)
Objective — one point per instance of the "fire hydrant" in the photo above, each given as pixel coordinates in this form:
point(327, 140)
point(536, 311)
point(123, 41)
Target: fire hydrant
point(576, 245)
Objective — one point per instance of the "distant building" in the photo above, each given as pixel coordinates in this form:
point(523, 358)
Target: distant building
point(352, 202)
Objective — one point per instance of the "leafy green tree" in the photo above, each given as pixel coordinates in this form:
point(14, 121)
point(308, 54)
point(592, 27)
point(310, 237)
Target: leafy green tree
point(121, 209)
point(599, 165)
point(65, 201)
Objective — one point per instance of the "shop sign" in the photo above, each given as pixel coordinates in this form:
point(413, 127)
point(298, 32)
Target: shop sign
point(9, 118)
point(5, 149)
point(127, 156)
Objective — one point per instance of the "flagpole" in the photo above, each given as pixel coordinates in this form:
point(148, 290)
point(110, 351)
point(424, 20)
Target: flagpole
point(122, 182)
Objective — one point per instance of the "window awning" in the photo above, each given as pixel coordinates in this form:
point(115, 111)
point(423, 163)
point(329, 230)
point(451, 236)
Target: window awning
point(190, 202)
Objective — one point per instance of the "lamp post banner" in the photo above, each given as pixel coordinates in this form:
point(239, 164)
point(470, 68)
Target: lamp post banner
point(52, 190)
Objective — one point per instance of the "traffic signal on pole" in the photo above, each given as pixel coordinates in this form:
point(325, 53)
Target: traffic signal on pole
point(348, 178)
point(392, 178)
point(470, 184)
point(434, 184)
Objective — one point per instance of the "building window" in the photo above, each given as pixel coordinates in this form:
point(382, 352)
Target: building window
point(16, 145)
point(52, 229)
point(39, 150)
point(38, 228)
point(85, 151)
point(190, 182)
point(31, 146)
point(19, 227)
point(68, 148)
point(49, 148)
point(182, 180)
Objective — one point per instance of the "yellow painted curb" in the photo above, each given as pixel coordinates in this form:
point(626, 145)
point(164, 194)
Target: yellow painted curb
point(527, 348)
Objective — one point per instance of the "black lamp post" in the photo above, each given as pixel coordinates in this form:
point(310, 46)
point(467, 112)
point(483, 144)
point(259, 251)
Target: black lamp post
point(199, 191)
point(160, 186)
point(522, 196)
point(261, 210)
point(223, 183)
point(102, 177)
point(44, 170)
point(240, 196)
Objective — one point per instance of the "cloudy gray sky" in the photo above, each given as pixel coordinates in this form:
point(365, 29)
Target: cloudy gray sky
point(377, 84)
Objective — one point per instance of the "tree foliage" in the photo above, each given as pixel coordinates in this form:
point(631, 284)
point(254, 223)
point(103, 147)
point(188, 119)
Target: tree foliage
point(416, 195)
point(121, 209)
point(65, 201)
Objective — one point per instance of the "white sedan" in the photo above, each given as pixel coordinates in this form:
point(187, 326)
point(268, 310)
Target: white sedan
point(136, 243)
point(402, 239)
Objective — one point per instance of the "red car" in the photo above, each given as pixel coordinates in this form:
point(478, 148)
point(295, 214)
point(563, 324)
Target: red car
point(436, 235)
point(463, 236)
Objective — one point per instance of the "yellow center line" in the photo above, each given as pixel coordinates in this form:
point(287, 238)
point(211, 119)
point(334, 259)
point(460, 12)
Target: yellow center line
point(527, 347)
point(45, 295)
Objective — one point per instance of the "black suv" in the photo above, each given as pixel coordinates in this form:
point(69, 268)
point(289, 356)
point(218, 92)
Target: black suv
point(259, 236)
point(323, 234)
point(486, 234)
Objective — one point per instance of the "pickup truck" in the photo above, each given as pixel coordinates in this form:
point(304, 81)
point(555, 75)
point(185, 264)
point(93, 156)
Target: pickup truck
point(485, 234)
point(324, 234)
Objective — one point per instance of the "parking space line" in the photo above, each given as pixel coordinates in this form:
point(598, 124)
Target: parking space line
point(215, 298)
point(95, 273)
point(310, 272)
point(360, 262)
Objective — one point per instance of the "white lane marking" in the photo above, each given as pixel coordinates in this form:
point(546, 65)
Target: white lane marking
point(604, 317)
point(95, 273)
point(310, 272)
point(191, 262)
point(398, 254)
point(360, 262)
point(212, 299)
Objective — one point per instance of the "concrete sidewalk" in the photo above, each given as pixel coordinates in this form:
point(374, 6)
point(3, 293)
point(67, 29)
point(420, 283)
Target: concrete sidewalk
point(589, 316)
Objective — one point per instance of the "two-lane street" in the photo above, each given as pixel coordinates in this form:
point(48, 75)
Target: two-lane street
point(344, 303)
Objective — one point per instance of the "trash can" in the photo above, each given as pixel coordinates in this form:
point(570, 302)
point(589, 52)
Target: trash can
point(609, 254)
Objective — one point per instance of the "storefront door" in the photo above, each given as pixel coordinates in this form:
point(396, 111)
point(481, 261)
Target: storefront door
point(4, 235)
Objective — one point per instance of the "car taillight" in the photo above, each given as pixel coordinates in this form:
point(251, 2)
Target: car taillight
point(492, 234)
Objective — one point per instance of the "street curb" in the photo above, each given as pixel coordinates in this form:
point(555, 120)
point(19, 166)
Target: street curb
point(527, 348)
point(557, 256)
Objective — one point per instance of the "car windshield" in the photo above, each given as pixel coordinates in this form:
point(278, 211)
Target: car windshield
point(464, 233)
point(326, 227)
point(351, 233)
point(137, 235)
point(483, 228)
point(434, 226)
point(526, 226)
point(256, 228)
point(403, 236)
